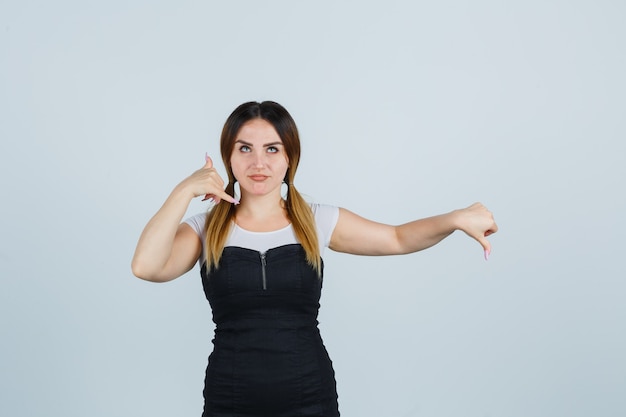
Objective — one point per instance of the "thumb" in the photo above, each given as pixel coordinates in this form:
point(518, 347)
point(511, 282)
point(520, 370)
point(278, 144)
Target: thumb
point(208, 161)
point(486, 246)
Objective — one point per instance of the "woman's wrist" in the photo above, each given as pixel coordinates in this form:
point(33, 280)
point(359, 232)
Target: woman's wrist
point(456, 220)
point(183, 191)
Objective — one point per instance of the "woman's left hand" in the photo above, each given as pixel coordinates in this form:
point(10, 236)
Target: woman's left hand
point(478, 223)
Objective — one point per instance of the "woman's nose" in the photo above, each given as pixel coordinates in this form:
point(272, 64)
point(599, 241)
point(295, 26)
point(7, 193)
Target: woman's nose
point(259, 160)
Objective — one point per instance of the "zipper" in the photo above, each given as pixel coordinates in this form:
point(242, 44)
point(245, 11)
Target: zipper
point(263, 271)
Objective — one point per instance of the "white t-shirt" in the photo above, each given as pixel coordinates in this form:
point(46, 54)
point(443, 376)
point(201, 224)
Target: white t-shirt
point(326, 217)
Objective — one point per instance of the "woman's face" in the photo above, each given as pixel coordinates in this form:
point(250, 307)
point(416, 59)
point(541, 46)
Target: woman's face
point(258, 160)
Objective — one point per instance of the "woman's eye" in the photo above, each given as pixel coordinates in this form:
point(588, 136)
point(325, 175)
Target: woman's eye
point(244, 148)
point(272, 149)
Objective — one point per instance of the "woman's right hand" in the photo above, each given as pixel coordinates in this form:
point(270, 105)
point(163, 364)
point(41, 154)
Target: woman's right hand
point(208, 183)
point(168, 248)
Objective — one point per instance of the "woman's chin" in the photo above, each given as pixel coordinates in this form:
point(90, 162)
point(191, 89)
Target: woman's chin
point(258, 190)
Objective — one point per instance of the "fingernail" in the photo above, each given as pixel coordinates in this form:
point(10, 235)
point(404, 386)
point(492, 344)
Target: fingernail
point(236, 202)
point(206, 157)
point(487, 253)
point(207, 197)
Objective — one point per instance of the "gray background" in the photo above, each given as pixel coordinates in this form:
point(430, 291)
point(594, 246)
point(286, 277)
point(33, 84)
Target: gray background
point(406, 109)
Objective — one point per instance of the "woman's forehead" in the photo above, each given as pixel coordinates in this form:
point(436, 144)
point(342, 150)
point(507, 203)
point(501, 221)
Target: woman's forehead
point(258, 130)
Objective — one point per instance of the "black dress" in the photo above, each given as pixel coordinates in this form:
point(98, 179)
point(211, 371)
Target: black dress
point(268, 357)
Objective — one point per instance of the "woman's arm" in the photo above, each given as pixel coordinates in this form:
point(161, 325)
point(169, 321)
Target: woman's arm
point(356, 235)
point(167, 249)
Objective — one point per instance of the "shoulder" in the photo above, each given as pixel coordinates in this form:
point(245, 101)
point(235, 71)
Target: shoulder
point(324, 212)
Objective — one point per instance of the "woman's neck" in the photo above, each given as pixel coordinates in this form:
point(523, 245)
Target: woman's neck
point(261, 213)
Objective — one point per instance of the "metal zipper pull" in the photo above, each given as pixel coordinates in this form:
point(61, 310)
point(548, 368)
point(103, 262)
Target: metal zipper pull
point(263, 271)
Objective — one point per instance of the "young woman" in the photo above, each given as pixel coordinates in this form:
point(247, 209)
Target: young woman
point(261, 265)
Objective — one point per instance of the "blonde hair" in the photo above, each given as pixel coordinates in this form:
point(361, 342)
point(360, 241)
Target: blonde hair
point(222, 215)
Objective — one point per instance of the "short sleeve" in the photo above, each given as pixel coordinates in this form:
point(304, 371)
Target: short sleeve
point(326, 217)
point(197, 223)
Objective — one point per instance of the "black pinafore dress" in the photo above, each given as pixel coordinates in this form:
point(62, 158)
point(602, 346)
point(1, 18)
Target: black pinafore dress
point(268, 357)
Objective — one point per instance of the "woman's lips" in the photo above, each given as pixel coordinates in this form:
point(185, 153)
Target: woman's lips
point(258, 177)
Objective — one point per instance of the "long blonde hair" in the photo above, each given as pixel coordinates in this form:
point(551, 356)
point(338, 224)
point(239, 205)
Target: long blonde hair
point(221, 217)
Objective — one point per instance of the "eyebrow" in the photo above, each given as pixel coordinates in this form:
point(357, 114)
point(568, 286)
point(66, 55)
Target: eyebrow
point(243, 142)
